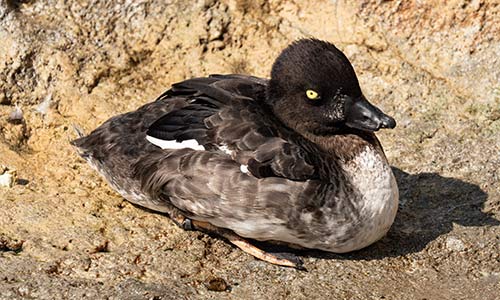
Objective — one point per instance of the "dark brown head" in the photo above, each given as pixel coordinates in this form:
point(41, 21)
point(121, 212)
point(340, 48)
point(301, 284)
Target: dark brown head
point(313, 89)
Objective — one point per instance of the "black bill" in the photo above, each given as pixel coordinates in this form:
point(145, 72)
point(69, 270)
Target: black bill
point(361, 114)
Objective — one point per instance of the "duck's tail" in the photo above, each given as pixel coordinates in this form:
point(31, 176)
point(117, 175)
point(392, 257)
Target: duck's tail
point(79, 141)
point(78, 130)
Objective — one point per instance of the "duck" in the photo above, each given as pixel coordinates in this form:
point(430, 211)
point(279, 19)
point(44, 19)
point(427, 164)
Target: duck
point(292, 159)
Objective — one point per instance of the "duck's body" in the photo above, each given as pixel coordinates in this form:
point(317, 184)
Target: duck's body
point(234, 160)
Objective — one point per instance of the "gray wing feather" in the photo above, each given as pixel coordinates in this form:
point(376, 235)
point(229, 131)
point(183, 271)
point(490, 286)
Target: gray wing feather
point(230, 112)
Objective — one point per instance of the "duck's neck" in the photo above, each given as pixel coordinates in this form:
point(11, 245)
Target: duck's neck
point(347, 145)
point(369, 184)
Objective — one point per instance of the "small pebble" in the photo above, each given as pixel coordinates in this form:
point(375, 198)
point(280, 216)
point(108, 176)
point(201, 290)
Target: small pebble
point(16, 116)
point(454, 244)
point(7, 176)
point(43, 107)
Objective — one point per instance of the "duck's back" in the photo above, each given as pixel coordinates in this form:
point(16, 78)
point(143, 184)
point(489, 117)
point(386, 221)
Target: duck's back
point(222, 114)
point(116, 147)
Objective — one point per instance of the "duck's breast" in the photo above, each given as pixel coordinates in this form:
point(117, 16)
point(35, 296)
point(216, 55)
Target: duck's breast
point(372, 177)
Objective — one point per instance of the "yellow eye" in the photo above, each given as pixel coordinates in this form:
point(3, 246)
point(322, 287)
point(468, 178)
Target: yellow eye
point(313, 95)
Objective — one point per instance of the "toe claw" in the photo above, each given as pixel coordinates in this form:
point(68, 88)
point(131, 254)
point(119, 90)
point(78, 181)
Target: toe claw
point(187, 224)
point(294, 261)
point(182, 222)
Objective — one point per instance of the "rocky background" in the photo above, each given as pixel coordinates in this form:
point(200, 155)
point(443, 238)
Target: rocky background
point(64, 234)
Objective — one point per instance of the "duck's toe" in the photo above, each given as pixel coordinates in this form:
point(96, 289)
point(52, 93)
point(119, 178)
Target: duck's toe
point(182, 222)
point(292, 258)
point(187, 224)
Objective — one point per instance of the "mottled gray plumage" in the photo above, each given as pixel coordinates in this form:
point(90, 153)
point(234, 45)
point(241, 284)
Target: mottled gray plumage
point(304, 185)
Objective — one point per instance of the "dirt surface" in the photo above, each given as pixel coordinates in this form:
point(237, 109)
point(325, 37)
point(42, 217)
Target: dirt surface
point(64, 234)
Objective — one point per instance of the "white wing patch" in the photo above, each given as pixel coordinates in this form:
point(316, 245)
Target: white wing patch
point(224, 148)
point(192, 144)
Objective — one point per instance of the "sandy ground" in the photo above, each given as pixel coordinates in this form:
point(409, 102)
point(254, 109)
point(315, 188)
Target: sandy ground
point(64, 234)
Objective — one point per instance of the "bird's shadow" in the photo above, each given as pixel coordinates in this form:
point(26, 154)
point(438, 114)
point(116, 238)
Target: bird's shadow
point(429, 206)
